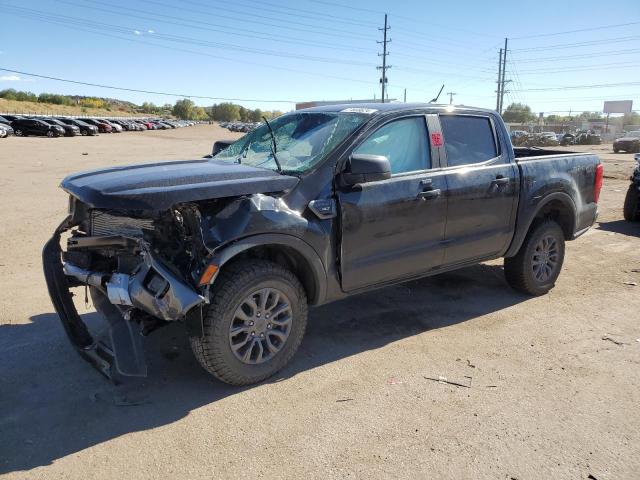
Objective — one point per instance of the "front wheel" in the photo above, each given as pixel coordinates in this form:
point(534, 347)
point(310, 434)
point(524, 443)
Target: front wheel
point(83, 133)
point(50, 134)
point(630, 210)
point(536, 267)
point(254, 323)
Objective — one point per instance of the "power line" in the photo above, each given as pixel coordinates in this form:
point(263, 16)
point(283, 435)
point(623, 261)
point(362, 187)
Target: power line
point(578, 44)
point(189, 40)
point(245, 33)
point(111, 87)
point(582, 68)
point(218, 57)
point(579, 87)
point(589, 29)
point(582, 55)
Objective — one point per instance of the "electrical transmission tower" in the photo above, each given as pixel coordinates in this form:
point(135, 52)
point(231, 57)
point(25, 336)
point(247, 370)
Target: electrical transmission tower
point(502, 70)
point(384, 67)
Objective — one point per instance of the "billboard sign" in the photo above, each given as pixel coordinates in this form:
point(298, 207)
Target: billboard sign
point(618, 106)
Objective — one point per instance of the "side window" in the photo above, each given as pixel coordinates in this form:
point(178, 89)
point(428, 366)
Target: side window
point(467, 139)
point(403, 142)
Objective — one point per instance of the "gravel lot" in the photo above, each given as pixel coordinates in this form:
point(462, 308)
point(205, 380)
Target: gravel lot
point(554, 381)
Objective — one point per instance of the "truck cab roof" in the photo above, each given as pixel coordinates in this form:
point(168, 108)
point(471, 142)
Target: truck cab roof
point(382, 108)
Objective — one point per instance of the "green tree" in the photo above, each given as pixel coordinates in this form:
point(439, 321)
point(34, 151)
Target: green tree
point(199, 114)
point(149, 107)
point(183, 109)
point(256, 115)
point(225, 112)
point(518, 113)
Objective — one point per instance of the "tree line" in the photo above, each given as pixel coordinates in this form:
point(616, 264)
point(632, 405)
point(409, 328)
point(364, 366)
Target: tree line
point(521, 113)
point(184, 109)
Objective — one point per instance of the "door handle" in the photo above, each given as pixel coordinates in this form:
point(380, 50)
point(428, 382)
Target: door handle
point(500, 180)
point(429, 194)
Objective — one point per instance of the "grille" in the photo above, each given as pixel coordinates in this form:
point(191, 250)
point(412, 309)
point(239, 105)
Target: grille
point(105, 224)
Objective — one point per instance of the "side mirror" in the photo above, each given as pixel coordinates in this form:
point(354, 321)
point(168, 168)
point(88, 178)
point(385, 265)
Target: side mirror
point(363, 168)
point(220, 145)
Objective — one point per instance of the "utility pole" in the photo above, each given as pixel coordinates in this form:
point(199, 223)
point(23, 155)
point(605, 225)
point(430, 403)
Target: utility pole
point(451, 94)
point(384, 67)
point(504, 71)
point(499, 82)
point(405, 95)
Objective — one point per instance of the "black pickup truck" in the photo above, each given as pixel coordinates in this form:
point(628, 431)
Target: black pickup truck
point(314, 206)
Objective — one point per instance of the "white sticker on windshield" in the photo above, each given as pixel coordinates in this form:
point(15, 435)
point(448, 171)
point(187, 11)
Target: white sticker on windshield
point(358, 110)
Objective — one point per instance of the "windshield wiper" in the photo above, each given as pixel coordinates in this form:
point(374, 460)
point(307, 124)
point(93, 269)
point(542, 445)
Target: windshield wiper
point(273, 145)
point(243, 153)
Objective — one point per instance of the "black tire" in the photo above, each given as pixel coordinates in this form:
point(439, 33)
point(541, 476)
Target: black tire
point(50, 134)
point(236, 282)
point(83, 133)
point(519, 270)
point(18, 133)
point(615, 150)
point(630, 209)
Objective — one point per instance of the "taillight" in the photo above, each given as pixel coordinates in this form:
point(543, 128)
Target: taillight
point(598, 183)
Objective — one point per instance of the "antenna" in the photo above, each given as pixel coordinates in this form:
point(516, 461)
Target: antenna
point(434, 100)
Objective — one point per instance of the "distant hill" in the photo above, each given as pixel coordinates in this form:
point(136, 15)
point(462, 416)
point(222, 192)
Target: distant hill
point(16, 101)
point(38, 108)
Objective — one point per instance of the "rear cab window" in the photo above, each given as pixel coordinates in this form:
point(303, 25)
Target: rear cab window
point(468, 139)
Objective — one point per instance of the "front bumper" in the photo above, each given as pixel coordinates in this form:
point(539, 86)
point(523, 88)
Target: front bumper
point(153, 290)
point(94, 352)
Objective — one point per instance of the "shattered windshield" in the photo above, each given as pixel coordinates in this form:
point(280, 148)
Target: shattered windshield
point(302, 140)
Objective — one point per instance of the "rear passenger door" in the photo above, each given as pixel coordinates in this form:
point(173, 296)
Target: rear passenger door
point(482, 188)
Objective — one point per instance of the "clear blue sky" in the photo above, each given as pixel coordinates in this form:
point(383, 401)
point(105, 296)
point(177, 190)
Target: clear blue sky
point(313, 50)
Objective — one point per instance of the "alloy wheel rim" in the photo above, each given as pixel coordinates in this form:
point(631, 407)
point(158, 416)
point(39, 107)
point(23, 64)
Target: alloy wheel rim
point(545, 258)
point(260, 326)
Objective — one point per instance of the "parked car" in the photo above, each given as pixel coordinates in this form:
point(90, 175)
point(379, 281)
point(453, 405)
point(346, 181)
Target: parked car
point(629, 143)
point(31, 126)
point(587, 137)
point(5, 121)
point(115, 128)
point(315, 206)
point(631, 208)
point(69, 130)
point(102, 126)
point(12, 118)
point(568, 139)
point(85, 128)
point(5, 130)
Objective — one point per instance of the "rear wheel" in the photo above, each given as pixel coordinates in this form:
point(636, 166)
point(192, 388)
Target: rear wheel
point(537, 265)
point(630, 209)
point(254, 323)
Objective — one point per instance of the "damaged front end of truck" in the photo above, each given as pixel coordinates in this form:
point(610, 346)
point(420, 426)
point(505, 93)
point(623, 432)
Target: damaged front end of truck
point(150, 264)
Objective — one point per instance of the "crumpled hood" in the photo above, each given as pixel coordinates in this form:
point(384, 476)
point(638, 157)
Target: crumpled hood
point(158, 186)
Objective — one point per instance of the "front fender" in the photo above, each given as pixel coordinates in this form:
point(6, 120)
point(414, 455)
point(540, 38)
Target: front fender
point(311, 257)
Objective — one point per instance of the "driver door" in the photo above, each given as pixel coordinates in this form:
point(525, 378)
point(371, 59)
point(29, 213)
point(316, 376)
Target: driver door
point(394, 229)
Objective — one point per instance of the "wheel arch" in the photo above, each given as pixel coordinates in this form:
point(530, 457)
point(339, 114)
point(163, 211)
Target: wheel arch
point(292, 252)
point(557, 206)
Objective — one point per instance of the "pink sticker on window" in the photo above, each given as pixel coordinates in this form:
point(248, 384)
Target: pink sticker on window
point(436, 139)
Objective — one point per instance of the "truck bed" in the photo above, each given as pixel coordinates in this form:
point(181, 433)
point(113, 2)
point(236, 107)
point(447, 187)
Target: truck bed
point(526, 152)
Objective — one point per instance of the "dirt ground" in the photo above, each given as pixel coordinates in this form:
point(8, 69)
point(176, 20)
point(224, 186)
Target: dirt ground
point(554, 381)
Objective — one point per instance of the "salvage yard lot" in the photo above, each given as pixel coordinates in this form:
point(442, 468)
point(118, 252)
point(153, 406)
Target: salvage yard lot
point(554, 381)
